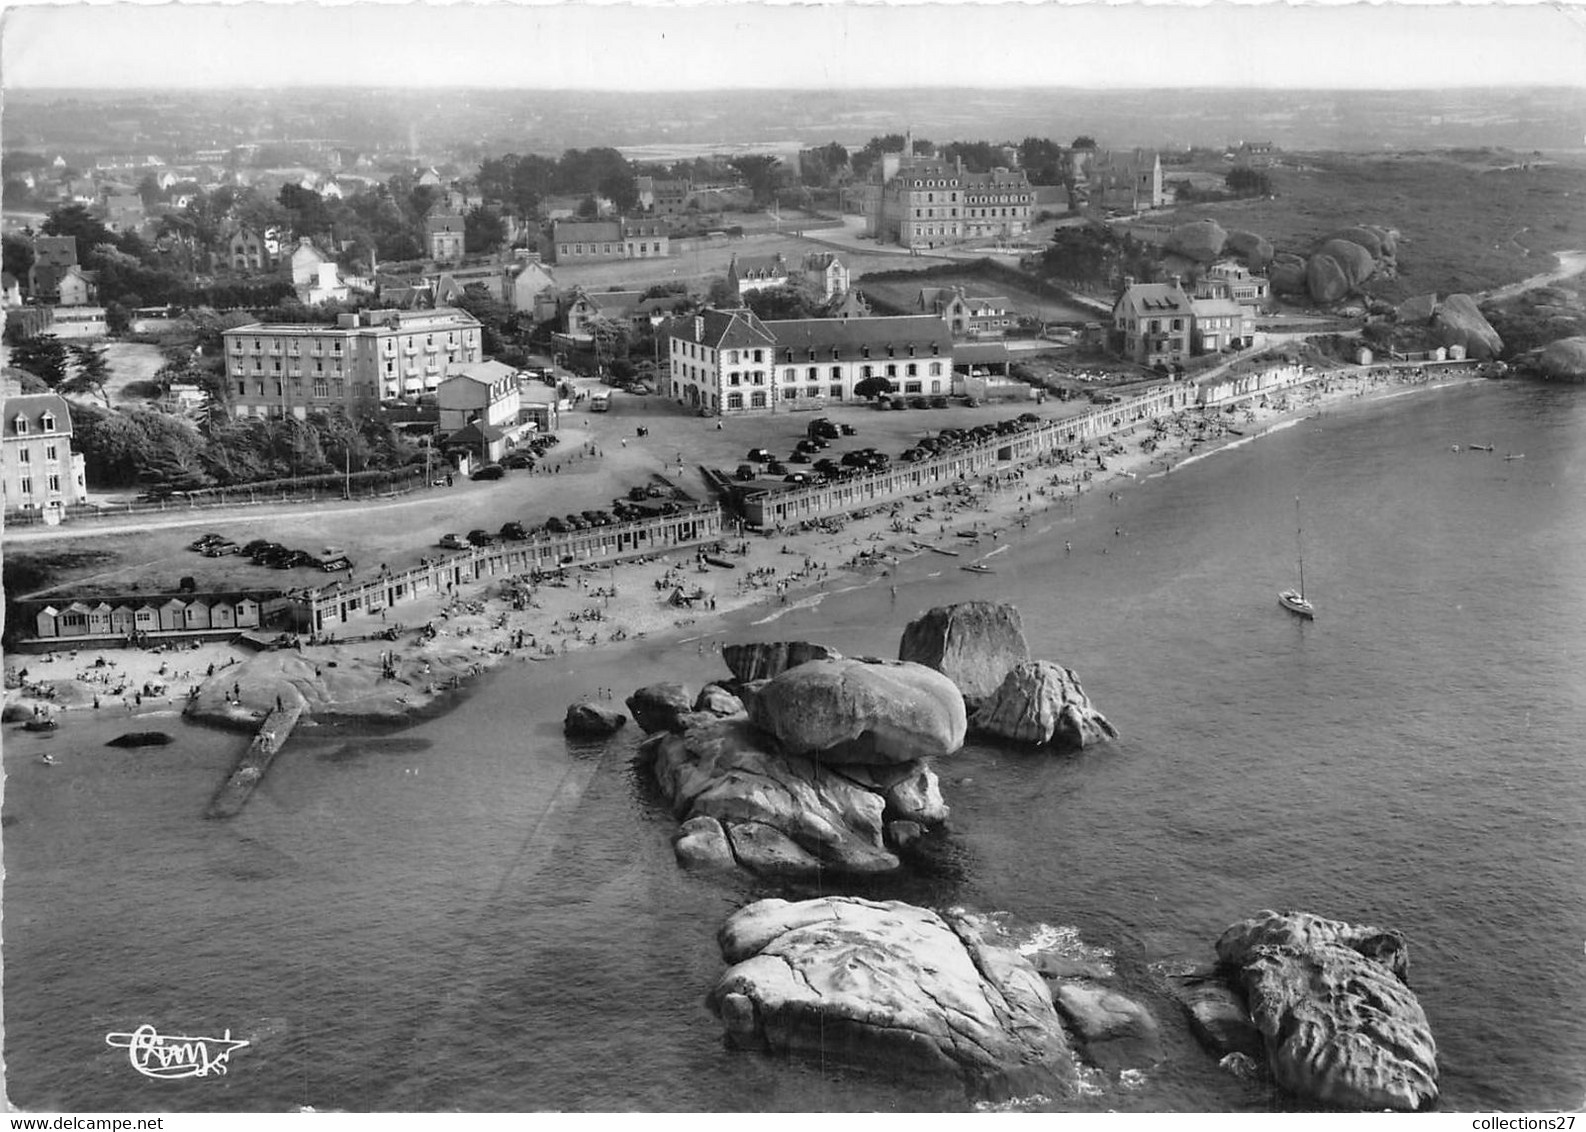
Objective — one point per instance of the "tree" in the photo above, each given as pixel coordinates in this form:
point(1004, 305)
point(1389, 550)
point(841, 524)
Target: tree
point(588, 208)
point(1245, 182)
point(44, 356)
point(786, 302)
point(483, 230)
point(1084, 141)
point(18, 256)
point(758, 171)
point(872, 387)
point(75, 220)
point(92, 372)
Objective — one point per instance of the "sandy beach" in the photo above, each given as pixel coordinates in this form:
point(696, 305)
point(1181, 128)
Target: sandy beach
point(413, 659)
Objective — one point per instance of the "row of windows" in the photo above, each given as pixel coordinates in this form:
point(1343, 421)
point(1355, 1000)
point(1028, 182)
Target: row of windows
point(25, 455)
point(53, 480)
point(322, 389)
point(46, 422)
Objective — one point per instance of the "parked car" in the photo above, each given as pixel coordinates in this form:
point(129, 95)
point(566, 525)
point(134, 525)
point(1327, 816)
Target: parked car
point(848, 430)
point(758, 455)
point(292, 559)
point(776, 468)
point(746, 472)
point(517, 460)
point(268, 550)
point(453, 542)
point(513, 530)
point(480, 537)
point(203, 542)
point(823, 428)
point(334, 563)
point(557, 525)
point(489, 472)
point(799, 457)
point(796, 477)
point(251, 548)
point(938, 402)
point(971, 403)
point(219, 549)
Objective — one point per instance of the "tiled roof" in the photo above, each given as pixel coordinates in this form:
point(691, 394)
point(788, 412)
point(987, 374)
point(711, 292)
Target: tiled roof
point(849, 337)
point(586, 231)
point(1146, 299)
point(33, 407)
point(719, 330)
point(485, 373)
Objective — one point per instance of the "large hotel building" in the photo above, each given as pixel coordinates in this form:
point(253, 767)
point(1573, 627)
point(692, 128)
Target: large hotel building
point(925, 202)
point(292, 369)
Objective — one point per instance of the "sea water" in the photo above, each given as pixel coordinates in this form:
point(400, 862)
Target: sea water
point(475, 913)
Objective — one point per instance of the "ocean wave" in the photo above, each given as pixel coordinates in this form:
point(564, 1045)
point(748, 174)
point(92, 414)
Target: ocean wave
point(809, 602)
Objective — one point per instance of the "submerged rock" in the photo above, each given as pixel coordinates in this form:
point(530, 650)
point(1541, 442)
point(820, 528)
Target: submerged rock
point(1217, 1016)
point(891, 986)
point(973, 644)
point(1041, 702)
point(140, 739)
point(1117, 1031)
point(851, 711)
point(764, 660)
point(588, 719)
point(657, 707)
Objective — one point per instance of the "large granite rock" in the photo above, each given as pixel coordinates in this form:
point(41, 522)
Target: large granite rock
point(716, 700)
point(1043, 703)
point(772, 658)
point(1417, 310)
point(1358, 263)
point(1302, 931)
point(593, 720)
point(658, 707)
point(1341, 1029)
point(702, 843)
point(1287, 274)
point(1338, 1023)
point(727, 770)
point(1199, 240)
point(973, 644)
point(1459, 322)
point(1117, 1031)
point(1255, 250)
point(852, 711)
point(1564, 360)
point(893, 987)
point(1326, 281)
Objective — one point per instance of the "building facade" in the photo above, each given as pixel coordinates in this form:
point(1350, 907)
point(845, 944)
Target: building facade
point(484, 391)
point(41, 471)
point(1153, 323)
point(1228, 279)
point(367, 357)
point(731, 362)
point(594, 241)
point(444, 234)
point(52, 256)
point(929, 203)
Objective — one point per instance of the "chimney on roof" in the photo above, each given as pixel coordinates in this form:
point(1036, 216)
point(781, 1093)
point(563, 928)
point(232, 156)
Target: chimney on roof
point(699, 329)
point(1178, 282)
point(1128, 282)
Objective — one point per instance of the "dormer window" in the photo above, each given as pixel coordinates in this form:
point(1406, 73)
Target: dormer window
point(21, 425)
point(47, 422)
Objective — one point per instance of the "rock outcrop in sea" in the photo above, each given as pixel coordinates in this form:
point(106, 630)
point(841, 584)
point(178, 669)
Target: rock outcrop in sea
point(658, 707)
point(767, 659)
point(892, 986)
point(585, 719)
point(1339, 1025)
point(826, 771)
point(974, 644)
point(1042, 703)
point(1564, 360)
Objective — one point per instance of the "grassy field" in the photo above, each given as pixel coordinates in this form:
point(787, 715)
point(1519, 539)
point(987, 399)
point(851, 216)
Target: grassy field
point(1466, 222)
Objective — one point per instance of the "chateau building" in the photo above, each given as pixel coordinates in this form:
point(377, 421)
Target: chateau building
point(925, 202)
point(443, 232)
point(280, 369)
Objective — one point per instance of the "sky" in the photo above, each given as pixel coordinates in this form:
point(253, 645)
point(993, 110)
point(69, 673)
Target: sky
point(617, 45)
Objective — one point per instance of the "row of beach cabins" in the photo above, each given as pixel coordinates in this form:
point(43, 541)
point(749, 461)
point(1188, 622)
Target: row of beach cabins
point(131, 618)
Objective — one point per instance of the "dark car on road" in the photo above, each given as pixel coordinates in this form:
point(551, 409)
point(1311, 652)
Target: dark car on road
point(480, 537)
point(557, 525)
point(222, 548)
point(517, 460)
point(453, 542)
point(514, 530)
point(249, 549)
point(204, 542)
point(489, 472)
point(745, 472)
point(292, 559)
point(758, 455)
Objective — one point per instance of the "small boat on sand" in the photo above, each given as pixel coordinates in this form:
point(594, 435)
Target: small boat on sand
point(1479, 447)
point(47, 760)
point(937, 549)
point(1515, 456)
point(977, 568)
point(721, 562)
point(42, 723)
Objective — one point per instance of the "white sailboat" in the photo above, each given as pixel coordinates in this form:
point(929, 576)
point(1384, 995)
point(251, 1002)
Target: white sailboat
point(1294, 600)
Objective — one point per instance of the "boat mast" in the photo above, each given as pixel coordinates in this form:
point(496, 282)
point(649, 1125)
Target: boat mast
point(1299, 544)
